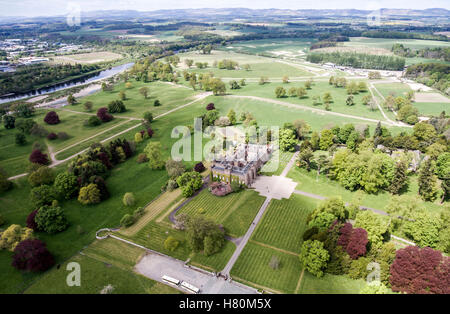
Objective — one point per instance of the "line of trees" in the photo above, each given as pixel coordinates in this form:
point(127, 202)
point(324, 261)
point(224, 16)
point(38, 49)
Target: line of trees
point(359, 60)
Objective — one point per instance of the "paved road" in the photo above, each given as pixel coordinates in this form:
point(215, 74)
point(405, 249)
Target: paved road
point(289, 165)
point(155, 266)
point(243, 243)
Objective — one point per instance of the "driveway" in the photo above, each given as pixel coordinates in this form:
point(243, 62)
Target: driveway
point(155, 266)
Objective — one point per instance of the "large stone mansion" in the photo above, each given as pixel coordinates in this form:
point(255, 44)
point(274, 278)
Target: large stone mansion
point(242, 164)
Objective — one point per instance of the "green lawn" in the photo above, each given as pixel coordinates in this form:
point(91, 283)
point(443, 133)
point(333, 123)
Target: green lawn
point(146, 186)
point(283, 160)
point(253, 265)
point(103, 263)
point(14, 158)
point(339, 96)
point(284, 223)
point(170, 97)
point(235, 211)
point(321, 185)
point(330, 284)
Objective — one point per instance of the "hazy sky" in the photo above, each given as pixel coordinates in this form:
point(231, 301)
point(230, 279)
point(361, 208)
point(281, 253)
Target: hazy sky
point(61, 7)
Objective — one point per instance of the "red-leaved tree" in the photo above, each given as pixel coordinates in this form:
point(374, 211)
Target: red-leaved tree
point(37, 157)
point(32, 255)
point(210, 106)
point(150, 132)
point(357, 245)
point(104, 115)
point(420, 270)
point(353, 241)
point(51, 118)
point(199, 167)
point(31, 223)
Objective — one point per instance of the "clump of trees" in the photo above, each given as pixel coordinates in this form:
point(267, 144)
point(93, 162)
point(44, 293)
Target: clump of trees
point(359, 60)
point(203, 235)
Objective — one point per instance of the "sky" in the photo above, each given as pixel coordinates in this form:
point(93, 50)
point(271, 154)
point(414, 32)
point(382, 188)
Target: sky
point(63, 7)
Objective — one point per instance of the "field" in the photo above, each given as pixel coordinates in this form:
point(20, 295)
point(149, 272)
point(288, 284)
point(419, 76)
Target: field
point(169, 95)
point(295, 48)
point(269, 113)
point(103, 263)
point(388, 43)
point(259, 66)
point(312, 183)
point(14, 158)
point(253, 266)
point(235, 211)
point(330, 284)
point(428, 103)
point(86, 58)
point(284, 223)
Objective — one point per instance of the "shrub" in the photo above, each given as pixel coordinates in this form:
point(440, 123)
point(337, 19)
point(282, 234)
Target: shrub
point(116, 106)
point(104, 115)
point(20, 139)
point(210, 106)
point(31, 222)
point(309, 233)
point(37, 157)
point(148, 116)
point(51, 219)
point(156, 103)
point(127, 220)
point(51, 118)
point(171, 185)
point(128, 199)
point(66, 184)
point(43, 175)
point(43, 195)
point(5, 184)
point(199, 167)
point(32, 255)
point(142, 158)
point(38, 130)
point(150, 132)
point(88, 105)
point(52, 136)
point(9, 122)
point(93, 121)
point(12, 236)
point(171, 243)
point(63, 136)
point(89, 195)
point(138, 137)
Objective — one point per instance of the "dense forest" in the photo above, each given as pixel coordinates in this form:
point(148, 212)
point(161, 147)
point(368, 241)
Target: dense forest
point(436, 75)
point(359, 60)
point(403, 35)
point(33, 77)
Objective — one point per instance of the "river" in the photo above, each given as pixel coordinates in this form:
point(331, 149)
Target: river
point(75, 82)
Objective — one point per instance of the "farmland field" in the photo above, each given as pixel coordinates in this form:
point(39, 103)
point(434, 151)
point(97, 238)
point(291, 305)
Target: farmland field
point(86, 58)
point(277, 47)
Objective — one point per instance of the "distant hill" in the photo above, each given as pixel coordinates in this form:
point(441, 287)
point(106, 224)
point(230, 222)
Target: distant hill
point(237, 13)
